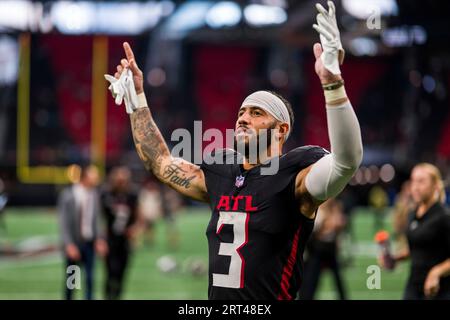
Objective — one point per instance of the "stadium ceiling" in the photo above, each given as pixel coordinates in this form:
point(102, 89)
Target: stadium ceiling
point(367, 25)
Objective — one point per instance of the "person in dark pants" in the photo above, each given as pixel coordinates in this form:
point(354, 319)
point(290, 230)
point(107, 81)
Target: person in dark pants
point(428, 235)
point(79, 213)
point(119, 202)
point(322, 250)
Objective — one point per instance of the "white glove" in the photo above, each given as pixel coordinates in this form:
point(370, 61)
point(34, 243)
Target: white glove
point(123, 89)
point(333, 53)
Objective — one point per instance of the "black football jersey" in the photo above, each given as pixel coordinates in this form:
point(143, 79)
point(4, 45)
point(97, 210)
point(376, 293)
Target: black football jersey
point(120, 211)
point(429, 244)
point(256, 234)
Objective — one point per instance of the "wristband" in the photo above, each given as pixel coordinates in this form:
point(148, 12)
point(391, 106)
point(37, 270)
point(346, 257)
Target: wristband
point(142, 100)
point(335, 96)
point(333, 85)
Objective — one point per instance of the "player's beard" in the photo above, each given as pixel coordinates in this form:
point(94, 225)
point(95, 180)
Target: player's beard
point(262, 144)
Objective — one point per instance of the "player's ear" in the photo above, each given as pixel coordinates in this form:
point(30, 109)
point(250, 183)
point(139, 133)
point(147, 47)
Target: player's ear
point(281, 131)
point(284, 127)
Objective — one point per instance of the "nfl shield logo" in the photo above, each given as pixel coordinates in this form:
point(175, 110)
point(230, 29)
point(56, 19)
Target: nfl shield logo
point(239, 181)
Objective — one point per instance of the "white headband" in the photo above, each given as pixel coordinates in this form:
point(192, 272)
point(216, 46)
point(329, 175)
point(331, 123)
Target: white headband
point(270, 103)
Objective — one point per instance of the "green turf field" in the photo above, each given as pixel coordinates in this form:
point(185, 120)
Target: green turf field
point(41, 277)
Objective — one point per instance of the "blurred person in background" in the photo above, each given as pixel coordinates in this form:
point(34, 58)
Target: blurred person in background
point(323, 249)
point(150, 207)
point(80, 212)
point(349, 202)
point(428, 234)
point(172, 204)
point(156, 202)
point(378, 204)
point(403, 206)
point(119, 203)
point(3, 202)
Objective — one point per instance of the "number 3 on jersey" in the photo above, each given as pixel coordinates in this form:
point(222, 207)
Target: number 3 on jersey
point(235, 276)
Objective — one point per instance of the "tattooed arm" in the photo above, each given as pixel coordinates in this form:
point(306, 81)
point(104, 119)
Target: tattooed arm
point(183, 176)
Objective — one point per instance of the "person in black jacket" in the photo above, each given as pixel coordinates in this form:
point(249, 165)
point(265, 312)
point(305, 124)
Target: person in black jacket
point(428, 235)
point(323, 250)
point(119, 202)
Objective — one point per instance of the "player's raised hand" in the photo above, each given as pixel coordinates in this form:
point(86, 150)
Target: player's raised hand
point(127, 84)
point(324, 74)
point(330, 49)
point(130, 62)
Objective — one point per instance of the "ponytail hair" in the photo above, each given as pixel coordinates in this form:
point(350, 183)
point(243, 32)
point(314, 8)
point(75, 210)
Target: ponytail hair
point(436, 177)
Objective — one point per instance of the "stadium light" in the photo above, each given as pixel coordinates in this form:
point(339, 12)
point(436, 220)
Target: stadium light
point(15, 14)
point(365, 9)
point(73, 18)
point(387, 172)
point(276, 3)
point(130, 17)
point(360, 178)
point(374, 174)
point(261, 15)
point(363, 46)
point(108, 17)
point(189, 16)
point(9, 60)
point(404, 36)
point(429, 84)
point(224, 14)
point(156, 77)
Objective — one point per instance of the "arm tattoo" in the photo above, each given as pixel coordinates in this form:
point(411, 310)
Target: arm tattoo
point(176, 175)
point(149, 142)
